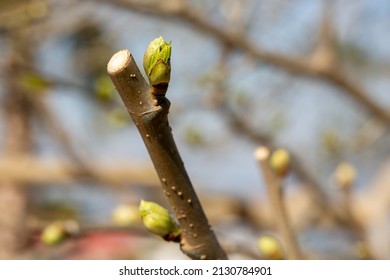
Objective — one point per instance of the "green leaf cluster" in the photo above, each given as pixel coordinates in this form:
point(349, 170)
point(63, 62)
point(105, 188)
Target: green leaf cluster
point(158, 220)
point(157, 62)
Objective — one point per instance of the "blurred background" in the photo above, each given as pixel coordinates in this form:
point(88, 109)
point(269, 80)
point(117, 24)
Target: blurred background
point(312, 77)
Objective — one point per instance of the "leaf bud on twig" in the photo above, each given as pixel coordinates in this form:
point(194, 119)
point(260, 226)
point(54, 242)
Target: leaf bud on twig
point(157, 62)
point(345, 175)
point(53, 233)
point(270, 247)
point(158, 220)
point(280, 162)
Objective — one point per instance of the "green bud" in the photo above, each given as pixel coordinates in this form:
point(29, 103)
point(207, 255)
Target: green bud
point(362, 251)
point(158, 220)
point(53, 233)
point(280, 162)
point(157, 62)
point(104, 88)
point(270, 247)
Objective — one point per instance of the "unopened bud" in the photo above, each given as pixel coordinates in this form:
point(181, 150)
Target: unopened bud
point(53, 233)
point(157, 62)
point(158, 220)
point(125, 215)
point(280, 162)
point(362, 250)
point(270, 247)
point(345, 175)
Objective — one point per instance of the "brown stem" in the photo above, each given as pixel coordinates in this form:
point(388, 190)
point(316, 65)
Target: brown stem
point(358, 227)
point(45, 114)
point(312, 185)
point(198, 240)
point(17, 142)
point(274, 188)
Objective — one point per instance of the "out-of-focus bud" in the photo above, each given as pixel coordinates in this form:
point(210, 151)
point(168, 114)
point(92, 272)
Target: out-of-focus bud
point(280, 162)
point(345, 175)
point(53, 233)
point(157, 62)
point(125, 215)
point(362, 250)
point(35, 82)
point(158, 220)
point(104, 89)
point(270, 247)
point(117, 117)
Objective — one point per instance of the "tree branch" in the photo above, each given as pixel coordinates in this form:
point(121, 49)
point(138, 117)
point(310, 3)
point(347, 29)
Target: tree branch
point(274, 187)
point(240, 125)
point(197, 240)
point(46, 115)
point(29, 170)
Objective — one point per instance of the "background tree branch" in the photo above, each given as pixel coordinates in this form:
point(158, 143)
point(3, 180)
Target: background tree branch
point(238, 41)
point(275, 193)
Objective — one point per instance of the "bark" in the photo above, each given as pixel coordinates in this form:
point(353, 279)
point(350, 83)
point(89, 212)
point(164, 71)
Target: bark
point(13, 200)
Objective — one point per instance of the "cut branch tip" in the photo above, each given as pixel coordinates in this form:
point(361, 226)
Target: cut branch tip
point(118, 61)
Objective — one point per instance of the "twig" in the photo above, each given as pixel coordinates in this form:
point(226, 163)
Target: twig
point(30, 170)
point(274, 188)
point(17, 142)
point(358, 228)
point(198, 240)
point(312, 185)
point(344, 177)
point(291, 64)
point(237, 123)
point(46, 115)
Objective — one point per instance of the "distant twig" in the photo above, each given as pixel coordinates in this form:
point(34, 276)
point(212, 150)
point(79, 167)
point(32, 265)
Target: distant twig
point(18, 141)
point(46, 115)
point(312, 185)
point(29, 170)
point(240, 125)
point(355, 225)
point(344, 178)
point(273, 184)
point(297, 65)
